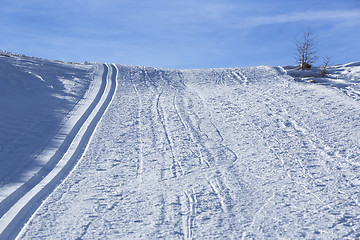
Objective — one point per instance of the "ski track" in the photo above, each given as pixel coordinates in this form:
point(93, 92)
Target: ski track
point(25, 200)
point(221, 153)
point(140, 132)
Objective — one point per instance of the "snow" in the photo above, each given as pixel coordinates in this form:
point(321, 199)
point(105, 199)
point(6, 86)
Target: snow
point(33, 103)
point(34, 109)
point(344, 76)
point(244, 153)
point(53, 113)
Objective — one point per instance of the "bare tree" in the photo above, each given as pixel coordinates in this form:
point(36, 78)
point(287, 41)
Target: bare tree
point(306, 51)
point(324, 67)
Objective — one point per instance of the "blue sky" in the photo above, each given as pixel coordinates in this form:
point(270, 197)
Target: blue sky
point(179, 33)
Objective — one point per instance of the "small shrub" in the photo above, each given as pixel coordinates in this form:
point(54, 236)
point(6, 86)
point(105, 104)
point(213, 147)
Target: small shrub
point(305, 66)
point(324, 67)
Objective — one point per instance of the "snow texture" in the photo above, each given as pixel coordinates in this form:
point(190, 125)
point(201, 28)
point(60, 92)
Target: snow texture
point(237, 153)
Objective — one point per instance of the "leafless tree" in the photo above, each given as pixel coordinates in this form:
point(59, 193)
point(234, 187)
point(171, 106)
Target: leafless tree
point(324, 67)
point(306, 51)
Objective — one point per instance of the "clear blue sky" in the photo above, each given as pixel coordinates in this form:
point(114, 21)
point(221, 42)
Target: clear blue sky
point(179, 33)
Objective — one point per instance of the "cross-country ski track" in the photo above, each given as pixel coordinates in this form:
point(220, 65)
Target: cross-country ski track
point(18, 207)
point(231, 153)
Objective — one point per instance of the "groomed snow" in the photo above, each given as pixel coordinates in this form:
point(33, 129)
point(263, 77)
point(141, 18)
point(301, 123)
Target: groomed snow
point(36, 99)
point(60, 107)
point(242, 153)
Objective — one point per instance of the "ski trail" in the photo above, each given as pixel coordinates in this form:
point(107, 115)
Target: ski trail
point(29, 199)
point(140, 166)
point(191, 131)
point(53, 156)
point(189, 213)
point(192, 120)
point(183, 123)
point(327, 161)
point(211, 122)
point(220, 79)
point(147, 78)
point(218, 191)
point(240, 77)
point(168, 123)
point(165, 142)
point(167, 137)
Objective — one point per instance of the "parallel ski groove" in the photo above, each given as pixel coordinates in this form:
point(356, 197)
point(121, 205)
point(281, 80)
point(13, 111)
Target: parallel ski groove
point(15, 196)
point(21, 210)
point(162, 120)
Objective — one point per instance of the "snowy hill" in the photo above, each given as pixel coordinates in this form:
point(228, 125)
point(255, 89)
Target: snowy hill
point(244, 153)
point(35, 96)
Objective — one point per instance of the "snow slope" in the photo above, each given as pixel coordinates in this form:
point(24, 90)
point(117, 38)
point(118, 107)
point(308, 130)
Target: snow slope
point(64, 107)
point(35, 95)
point(240, 153)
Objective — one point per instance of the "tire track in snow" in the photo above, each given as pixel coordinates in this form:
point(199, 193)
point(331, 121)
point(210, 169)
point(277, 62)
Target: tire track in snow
point(20, 206)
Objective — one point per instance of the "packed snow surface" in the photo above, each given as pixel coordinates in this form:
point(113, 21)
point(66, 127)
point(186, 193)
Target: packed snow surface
point(46, 135)
point(36, 99)
point(239, 153)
